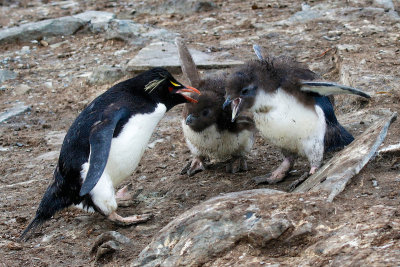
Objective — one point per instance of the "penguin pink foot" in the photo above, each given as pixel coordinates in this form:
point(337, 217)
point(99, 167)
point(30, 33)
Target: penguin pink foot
point(277, 175)
point(313, 170)
point(131, 220)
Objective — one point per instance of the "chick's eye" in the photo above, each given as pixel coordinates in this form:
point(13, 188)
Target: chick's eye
point(205, 112)
point(245, 91)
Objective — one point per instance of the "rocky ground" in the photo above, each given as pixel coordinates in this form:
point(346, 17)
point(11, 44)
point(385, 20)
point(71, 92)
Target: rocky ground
point(51, 69)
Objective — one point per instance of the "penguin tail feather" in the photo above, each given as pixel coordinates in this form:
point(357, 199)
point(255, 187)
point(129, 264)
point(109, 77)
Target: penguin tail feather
point(56, 198)
point(35, 223)
point(337, 138)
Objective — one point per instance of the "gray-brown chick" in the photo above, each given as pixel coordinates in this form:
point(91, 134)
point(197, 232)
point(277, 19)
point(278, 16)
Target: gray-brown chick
point(208, 129)
point(290, 110)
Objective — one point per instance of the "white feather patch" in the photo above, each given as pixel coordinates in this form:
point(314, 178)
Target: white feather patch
point(219, 146)
point(125, 153)
point(289, 124)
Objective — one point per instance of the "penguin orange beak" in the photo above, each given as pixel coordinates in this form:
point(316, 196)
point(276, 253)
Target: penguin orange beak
point(188, 89)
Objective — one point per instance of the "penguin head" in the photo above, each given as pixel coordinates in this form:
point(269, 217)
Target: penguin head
point(204, 113)
point(268, 75)
point(163, 87)
point(241, 90)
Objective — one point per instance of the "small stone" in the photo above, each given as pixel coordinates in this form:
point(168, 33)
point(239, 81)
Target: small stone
point(108, 243)
point(204, 6)
point(142, 178)
point(25, 50)
point(7, 75)
point(153, 144)
point(47, 238)
point(48, 85)
point(120, 52)
point(44, 43)
point(22, 89)
point(105, 75)
point(14, 246)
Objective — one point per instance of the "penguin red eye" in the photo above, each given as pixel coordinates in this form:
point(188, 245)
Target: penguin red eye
point(170, 89)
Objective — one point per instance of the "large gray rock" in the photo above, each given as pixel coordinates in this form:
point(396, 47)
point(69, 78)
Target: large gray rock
point(164, 54)
point(217, 225)
point(92, 21)
point(7, 75)
point(45, 28)
point(184, 7)
point(264, 227)
point(136, 33)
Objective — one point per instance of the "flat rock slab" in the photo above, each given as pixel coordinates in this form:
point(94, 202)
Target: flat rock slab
point(164, 54)
point(17, 109)
point(337, 172)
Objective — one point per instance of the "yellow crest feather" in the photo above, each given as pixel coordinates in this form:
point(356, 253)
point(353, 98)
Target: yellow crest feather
point(153, 85)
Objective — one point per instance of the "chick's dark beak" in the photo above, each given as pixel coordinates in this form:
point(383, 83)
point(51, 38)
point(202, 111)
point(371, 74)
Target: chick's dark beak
point(227, 102)
point(188, 89)
point(236, 104)
point(189, 119)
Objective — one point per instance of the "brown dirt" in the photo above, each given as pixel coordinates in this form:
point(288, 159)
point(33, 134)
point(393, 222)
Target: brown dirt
point(165, 193)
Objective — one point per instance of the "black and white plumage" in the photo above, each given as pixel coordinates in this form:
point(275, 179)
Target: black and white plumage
point(289, 110)
point(209, 132)
point(106, 142)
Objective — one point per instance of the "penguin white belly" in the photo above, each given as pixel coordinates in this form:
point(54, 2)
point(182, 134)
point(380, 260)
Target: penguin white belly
point(128, 147)
point(287, 123)
point(217, 145)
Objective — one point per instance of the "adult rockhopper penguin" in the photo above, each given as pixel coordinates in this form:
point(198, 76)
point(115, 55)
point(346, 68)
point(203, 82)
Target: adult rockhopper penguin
point(208, 129)
point(105, 144)
point(290, 110)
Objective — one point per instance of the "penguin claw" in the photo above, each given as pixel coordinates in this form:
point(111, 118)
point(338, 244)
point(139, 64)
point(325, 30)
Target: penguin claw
point(186, 168)
point(193, 167)
point(131, 220)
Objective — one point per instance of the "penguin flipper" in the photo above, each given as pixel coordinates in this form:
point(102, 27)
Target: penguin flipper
point(189, 68)
point(328, 88)
point(100, 138)
point(257, 51)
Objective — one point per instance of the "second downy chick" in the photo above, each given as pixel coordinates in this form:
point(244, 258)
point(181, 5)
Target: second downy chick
point(208, 129)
